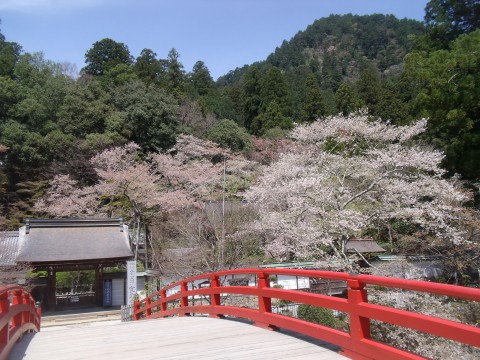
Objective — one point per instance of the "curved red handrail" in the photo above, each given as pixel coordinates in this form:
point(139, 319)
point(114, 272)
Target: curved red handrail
point(355, 344)
point(18, 314)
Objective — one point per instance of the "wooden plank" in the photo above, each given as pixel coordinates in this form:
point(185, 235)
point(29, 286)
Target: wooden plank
point(175, 338)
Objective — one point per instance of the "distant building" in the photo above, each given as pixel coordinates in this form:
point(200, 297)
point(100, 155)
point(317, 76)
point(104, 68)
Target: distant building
point(55, 245)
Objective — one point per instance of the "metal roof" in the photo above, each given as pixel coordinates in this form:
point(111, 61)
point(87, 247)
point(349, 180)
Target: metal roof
point(363, 246)
point(9, 246)
point(60, 240)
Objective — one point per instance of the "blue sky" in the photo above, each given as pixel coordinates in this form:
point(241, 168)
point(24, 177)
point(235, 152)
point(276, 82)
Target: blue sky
point(225, 34)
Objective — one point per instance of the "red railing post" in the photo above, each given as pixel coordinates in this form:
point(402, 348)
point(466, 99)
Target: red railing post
point(184, 298)
point(136, 307)
point(359, 326)
point(147, 306)
point(163, 306)
point(26, 314)
point(17, 300)
point(214, 296)
point(264, 302)
point(4, 309)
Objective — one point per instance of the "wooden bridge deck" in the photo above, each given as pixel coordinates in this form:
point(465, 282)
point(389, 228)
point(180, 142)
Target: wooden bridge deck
point(174, 338)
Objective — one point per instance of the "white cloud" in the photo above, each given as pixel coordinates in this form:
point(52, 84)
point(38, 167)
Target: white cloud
point(28, 5)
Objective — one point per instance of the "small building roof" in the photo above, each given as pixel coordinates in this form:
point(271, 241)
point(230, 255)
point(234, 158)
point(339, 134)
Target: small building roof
point(69, 240)
point(363, 246)
point(9, 247)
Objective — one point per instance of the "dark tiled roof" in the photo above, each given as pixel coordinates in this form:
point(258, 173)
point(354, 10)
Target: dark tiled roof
point(363, 246)
point(73, 240)
point(9, 246)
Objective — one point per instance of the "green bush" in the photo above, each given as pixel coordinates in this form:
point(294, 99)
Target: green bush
point(317, 315)
point(228, 134)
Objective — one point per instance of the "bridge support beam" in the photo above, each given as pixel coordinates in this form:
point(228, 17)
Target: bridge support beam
point(214, 297)
point(264, 302)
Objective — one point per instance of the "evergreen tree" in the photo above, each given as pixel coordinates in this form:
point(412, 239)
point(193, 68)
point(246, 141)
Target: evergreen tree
point(175, 75)
point(106, 54)
point(251, 97)
point(201, 79)
point(149, 68)
point(369, 88)
point(274, 88)
point(448, 93)
point(448, 19)
point(271, 118)
point(314, 106)
point(347, 100)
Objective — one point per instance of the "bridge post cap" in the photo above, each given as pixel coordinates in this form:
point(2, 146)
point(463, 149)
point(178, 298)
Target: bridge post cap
point(355, 284)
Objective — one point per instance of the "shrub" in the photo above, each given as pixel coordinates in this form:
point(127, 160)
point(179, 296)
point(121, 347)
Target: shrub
point(317, 315)
point(228, 134)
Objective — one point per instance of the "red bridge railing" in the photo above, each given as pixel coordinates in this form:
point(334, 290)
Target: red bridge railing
point(18, 314)
point(181, 298)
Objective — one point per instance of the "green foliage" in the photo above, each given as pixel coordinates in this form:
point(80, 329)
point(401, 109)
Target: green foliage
point(9, 55)
point(346, 99)
point(275, 133)
point(118, 75)
point(251, 97)
point(228, 134)
point(149, 69)
point(105, 55)
point(313, 106)
point(9, 95)
point(446, 20)
point(75, 281)
point(369, 88)
point(447, 90)
point(84, 109)
point(274, 89)
point(333, 51)
point(318, 315)
point(356, 146)
point(175, 75)
point(149, 113)
point(201, 79)
point(271, 118)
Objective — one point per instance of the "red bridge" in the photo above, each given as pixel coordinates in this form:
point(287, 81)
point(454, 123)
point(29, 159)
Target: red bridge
point(212, 294)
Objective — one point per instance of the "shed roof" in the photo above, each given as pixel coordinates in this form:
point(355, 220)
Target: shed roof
point(363, 246)
point(60, 240)
point(9, 247)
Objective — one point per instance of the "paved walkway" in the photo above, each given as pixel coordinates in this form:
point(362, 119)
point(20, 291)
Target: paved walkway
point(174, 338)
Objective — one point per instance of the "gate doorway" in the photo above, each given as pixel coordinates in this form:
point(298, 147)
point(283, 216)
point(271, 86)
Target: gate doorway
point(73, 253)
point(75, 289)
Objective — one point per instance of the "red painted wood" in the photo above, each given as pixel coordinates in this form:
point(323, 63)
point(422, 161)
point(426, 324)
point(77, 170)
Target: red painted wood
point(16, 318)
point(359, 325)
point(356, 343)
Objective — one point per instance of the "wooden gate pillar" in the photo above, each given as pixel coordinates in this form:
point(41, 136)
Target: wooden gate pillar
point(99, 285)
point(51, 299)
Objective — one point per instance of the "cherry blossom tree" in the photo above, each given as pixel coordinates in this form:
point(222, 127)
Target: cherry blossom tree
point(347, 175)
point(140, 187)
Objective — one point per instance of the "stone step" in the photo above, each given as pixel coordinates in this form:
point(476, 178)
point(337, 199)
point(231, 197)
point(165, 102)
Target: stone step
point(78, 318)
